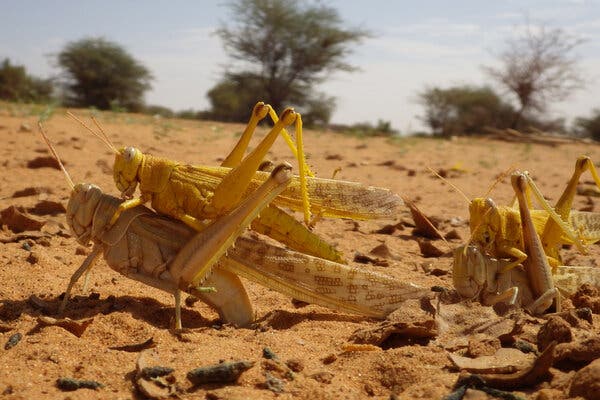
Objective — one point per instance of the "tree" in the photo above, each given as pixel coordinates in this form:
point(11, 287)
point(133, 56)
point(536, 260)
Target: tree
point(589, 127)
point(537, 69)
point(102, 74)
point(284, 48)
point(17, 85)
point(464, 110)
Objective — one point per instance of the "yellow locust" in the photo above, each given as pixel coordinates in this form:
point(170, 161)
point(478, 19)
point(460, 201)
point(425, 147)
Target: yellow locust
point(498, 229)
point(194, 194)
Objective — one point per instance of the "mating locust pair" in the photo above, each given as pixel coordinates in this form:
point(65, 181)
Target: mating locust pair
point(513, 254)
point(197, 245)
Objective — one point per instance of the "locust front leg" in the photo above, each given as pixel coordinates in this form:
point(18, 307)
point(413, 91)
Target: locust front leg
point(85, 267)
point(195, 260)
point(536, 266)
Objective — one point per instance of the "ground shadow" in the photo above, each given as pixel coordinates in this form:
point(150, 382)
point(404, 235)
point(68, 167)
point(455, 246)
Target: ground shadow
point(146, 309)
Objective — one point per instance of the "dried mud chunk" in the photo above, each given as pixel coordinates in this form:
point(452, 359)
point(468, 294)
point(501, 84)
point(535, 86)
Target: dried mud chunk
point(423, 225)
point(586, 382)
point(225, 372)
point(323, 377)
point(555, 329)
point(483, 347)
point(365, 259)
point(503, 361)
point(410, 322)
point(382, 250)
point(295, 364)
point(31, 191)
point(47, 207)
point(428, 249)
point(43, 162)
point(587, 296)
point(70, 384)
point(17, 221)
point(582, 351)
point(154, 382)
point(77, 328)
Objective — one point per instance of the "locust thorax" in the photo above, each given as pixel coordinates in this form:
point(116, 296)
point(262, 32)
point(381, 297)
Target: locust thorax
point(125, 171)
point(485, 223)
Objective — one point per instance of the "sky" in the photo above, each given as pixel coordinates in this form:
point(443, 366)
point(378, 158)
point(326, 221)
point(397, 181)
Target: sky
point(413, 45)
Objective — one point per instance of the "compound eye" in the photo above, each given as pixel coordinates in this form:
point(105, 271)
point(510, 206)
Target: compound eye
point(486, 237)
point(128, 153)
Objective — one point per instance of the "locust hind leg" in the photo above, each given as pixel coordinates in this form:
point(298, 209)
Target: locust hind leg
point(551, 237)
point(233, 186)
point(193, 263)
point(536, 265)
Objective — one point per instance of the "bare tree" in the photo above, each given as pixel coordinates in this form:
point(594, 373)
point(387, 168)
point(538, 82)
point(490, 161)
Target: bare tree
point(538, 68)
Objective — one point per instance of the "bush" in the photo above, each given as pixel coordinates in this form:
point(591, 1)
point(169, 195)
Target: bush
point(102, 74)
point(589, 127)
point(464, 110)
point(16, 85)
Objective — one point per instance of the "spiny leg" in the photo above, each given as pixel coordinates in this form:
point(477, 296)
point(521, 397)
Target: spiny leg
point(551, 237)
point(194, 261)
point(254, 160)
point(536, 266)
point(85, 267)
point(231, 189)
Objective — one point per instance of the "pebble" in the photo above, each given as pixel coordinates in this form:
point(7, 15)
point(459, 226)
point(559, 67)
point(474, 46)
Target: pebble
point(586, 382)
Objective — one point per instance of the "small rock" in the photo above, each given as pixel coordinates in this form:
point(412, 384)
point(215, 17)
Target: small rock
point(25, 127)
point(47, 207)
point(586, 382)
point(453, 234)
point(70, 384)
point(381, 251)
point(43, 162)
point(225, 372)
point(328, 359)
point(486, 347)
point(31, 191)
point(555, 329)
point(587, 296)
point(323, 377)
point(80, 251)
point(269, 354)
point(17, 221)
point(295, 364)
point(33, 257)
point(273, 383)
point(428, 249)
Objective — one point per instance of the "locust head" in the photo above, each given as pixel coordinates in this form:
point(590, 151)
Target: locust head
point(127, 163)
point(81, 209)
point(485, 223)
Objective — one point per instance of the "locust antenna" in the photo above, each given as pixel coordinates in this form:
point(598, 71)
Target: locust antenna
point(102, 136)
point(106, 138)
point(503, 175)
point(453, 186)
point(55, 154)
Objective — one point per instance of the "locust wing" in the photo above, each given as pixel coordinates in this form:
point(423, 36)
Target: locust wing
point(569, 278)
point(318, 281)
point(328, 197)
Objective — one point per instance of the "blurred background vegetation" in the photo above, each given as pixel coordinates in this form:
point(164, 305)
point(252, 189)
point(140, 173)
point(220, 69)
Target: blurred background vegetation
point(281, 50)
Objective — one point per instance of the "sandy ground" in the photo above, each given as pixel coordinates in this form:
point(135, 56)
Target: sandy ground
point(317, 340)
